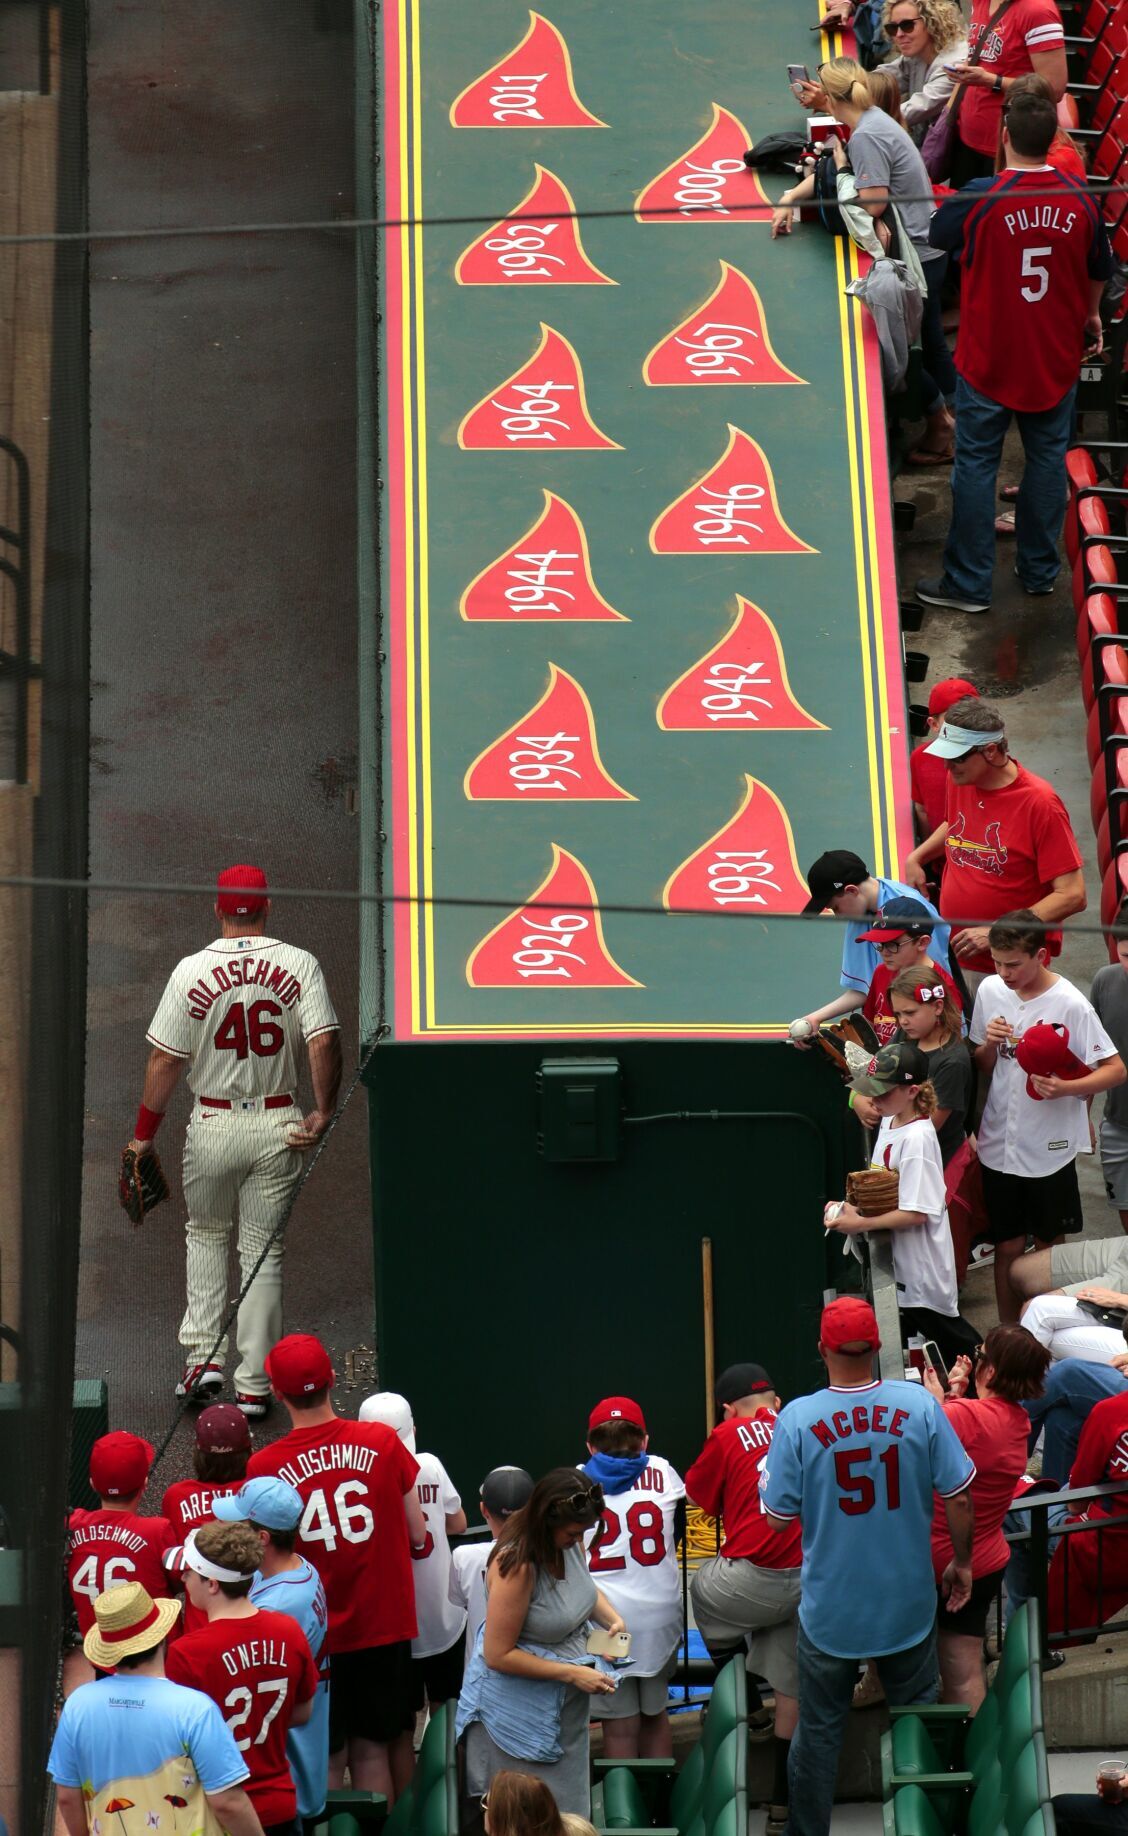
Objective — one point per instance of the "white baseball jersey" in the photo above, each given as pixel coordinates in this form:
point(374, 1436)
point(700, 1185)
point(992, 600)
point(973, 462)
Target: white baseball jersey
point(633, 1561)
point(441, 1622)
point(239, 1010)
point(468, 1586)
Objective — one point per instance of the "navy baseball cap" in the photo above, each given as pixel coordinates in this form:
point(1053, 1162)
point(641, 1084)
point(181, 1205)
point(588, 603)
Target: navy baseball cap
point(900, 918)
point(269, 1502)
point(830, 875)
point(741, 1380)
point(506, 1489)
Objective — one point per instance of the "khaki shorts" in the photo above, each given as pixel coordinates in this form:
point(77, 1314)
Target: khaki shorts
point(1103, 1261)
point(636, 1695)
point(733, 1600)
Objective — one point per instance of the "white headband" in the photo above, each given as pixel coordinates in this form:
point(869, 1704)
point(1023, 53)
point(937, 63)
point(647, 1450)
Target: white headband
point(211, 1571)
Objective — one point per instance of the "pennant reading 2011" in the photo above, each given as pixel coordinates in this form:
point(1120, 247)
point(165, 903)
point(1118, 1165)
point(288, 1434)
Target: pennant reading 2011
point(537, 245)
point(556, 944)
point(732, 510)
point(541, 408)
point(710, 183)
point(545, 575)
point(725, 341)
point(531, 87)
point(739, 686)
point(550, 755)
point(748, 866)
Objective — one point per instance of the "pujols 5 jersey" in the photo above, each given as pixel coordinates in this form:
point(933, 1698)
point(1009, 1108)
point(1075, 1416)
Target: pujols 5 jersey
point(239, 1010)
point(633, 1561)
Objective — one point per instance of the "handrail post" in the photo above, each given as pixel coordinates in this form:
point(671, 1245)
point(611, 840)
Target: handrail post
point(1040, 1565)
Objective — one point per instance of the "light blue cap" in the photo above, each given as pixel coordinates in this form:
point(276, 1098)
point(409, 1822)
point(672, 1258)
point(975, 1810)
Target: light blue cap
point(269, 1502)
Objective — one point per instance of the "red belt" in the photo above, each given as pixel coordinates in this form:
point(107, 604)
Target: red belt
point(275, 1102)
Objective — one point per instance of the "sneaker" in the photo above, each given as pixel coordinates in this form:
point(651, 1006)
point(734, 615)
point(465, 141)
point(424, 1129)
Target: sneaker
point(938, 593)
point(982, 1255)
point(253, 1407)
point(776, 1821)
point(200, 1383)
point(1035, 592)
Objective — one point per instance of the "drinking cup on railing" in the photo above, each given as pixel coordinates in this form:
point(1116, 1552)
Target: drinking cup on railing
point(1110, 1774)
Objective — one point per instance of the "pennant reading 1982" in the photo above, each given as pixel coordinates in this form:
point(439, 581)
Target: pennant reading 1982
point(748, 866)
point(537, 245)
point(531, 87)
point(557, 944)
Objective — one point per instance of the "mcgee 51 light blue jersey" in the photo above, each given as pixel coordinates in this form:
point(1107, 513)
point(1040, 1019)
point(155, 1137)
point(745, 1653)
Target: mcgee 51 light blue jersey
point(859, 1468)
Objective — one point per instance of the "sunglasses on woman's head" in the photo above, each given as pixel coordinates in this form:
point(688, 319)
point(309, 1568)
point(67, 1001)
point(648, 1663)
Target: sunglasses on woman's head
point(581, 1502)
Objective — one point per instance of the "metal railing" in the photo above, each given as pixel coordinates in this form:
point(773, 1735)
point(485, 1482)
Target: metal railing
point(16, 665)
point(1046, 1541)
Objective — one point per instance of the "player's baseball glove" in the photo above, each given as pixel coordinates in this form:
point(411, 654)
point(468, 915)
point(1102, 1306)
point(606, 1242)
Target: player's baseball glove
point(849, 1044)
point(873, 1191)
point(141, 1182)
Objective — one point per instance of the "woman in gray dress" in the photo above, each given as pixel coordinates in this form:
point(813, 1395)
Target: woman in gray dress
point(540, 1594)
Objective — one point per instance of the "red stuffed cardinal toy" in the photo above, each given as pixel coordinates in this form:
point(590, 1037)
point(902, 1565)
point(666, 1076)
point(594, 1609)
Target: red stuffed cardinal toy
point(1044, 1051)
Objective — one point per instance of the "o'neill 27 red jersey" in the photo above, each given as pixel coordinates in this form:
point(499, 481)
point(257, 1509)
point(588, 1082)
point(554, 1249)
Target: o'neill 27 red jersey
point(1029, 242)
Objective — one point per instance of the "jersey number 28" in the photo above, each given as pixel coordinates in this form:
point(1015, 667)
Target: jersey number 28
point(252, 1028)
point(647, 1536)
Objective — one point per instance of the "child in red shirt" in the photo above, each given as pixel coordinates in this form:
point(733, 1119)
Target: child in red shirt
point(254, 1664)
point(928, 775)
point(113, 1544)
point(901, 934)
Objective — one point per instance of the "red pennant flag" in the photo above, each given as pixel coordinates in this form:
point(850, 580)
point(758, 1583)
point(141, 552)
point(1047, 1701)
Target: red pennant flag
point(537, 245)
point(559, 944)
point(748, 866)
point(733, 510)
point(710, 183)
point(739, 686)
point(532, 87)
point(725, 341)
point(551, 755)
point(545, 575)
point(542, 407)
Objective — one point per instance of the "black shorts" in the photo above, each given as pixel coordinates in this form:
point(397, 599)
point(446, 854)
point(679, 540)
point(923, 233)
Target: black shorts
point(439, 1677)
point(1042, 1208)
point(370, 1695)
point(971, 1620)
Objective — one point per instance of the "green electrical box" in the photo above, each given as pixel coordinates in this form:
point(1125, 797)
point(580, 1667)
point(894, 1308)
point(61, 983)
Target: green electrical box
point(580, 1104)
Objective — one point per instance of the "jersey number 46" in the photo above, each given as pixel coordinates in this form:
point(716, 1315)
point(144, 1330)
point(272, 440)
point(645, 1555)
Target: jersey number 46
point(338, 1514)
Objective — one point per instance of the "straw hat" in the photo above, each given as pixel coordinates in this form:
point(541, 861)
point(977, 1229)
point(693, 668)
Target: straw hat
point(127, 1620)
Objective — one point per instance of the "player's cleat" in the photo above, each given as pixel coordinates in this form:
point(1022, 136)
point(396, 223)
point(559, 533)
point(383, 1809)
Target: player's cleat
point(939, 593)
point(200, 1383)
point(253, 1407)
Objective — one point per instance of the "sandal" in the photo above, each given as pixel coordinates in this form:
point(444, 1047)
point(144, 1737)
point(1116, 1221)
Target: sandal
point(868, 1692)
point(932, 455)
point(1004, 525)
point(1009, 494)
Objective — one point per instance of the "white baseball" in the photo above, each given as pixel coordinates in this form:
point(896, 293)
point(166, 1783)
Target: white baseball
point(800, 1029)
point(833, 1211)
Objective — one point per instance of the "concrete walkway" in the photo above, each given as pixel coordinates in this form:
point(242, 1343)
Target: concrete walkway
point(224, 609)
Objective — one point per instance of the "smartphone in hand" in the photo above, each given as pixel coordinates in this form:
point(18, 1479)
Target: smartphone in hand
point(932, 1357)
point(798, 73)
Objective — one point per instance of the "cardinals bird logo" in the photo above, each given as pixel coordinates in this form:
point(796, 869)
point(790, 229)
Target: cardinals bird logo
point(988, 856)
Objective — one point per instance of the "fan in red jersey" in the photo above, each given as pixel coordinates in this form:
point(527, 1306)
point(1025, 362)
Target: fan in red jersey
point(254, 1664)
point(219, 1459)
point(113, 1544)
point(361, 1520)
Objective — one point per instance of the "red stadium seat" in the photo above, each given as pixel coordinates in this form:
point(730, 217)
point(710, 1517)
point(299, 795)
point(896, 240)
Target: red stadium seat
point(1107, 716)
point(1099, 622)
point(1114, 889)
point(1094, 566)
point(1081, 470)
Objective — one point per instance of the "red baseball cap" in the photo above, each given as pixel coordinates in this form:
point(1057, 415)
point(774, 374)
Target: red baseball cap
point(946, 694)
point(119, 1464)
point(849, 1320)
point(616, 1409)
point(299, 1364)
point(222, 1428)
point(241, 904)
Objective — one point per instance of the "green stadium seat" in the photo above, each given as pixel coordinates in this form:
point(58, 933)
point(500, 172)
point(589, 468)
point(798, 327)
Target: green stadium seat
point(353, 1813)
point(437, 1814)
point(1042, 1823)
point(728, 1704)
point(726, 1778)
point(432, 1763)
point(624, 1807)
point(1027, 1786)
point(640, 1794)
point(930, 1738)
point(732, 1819)
point(399, 1820)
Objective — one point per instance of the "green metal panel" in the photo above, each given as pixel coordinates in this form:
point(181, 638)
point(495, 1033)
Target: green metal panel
point(90, 1418)
point(512, 1292)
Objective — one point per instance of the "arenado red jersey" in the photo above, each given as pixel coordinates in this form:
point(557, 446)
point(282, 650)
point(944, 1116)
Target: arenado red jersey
point(256, 1669)
point(352, 1477)
point(724, 1481)
point(107, 1548)
point(1029, 242)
